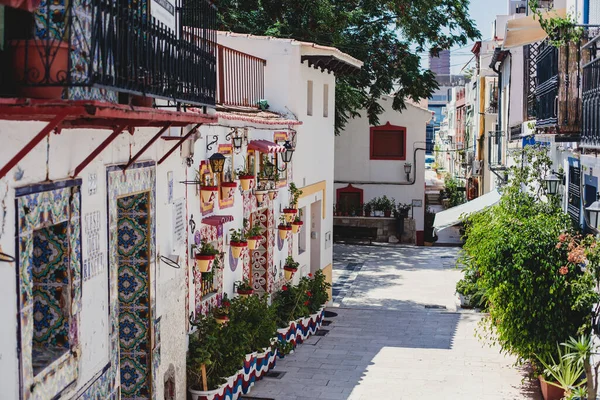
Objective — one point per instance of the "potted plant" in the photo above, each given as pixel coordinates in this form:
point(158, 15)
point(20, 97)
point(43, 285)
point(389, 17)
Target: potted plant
point(237, 241)
point(208, 189)
point(284, 227)
point(221, 314)
point(292, 210)
point(228, 189)
point(560, 376)
point(290, 267)
point(273, 188)
point(244, 288)
point(402, 210)
point(386, 205)
point(205, 257)
point(368, 208)
point(253, 235)
point(246, 177)
point(297, 224)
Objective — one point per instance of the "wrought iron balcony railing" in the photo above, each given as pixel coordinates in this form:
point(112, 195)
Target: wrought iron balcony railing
point(547, 87)
point(496, 150)
point(591, 97)
point(95, 49)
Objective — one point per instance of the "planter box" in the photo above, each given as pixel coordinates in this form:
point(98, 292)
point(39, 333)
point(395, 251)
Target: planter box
point(256, 365)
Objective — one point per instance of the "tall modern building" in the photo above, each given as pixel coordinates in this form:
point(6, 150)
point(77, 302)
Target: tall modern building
point(440, 65)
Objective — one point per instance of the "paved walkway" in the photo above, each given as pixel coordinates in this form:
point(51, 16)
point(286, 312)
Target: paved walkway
point(398, 334)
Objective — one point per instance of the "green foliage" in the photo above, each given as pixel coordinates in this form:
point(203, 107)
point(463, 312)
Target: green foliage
point(254, 231)
point(513, 249)
point(291, 263)
point(455, 196)
point(561, 31)
point(291, 303)
point(469, 286)
point(389, 36)
point(318, 288)
point(565, 372)
point(237, 235)
point(243, 285)
point(295, 194)
point(383, 203)
point(207, 249)
point(259, 320)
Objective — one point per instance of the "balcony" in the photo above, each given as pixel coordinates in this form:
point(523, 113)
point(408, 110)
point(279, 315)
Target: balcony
point(496, 151)
point(241, 80)
point(591, 98)
point(558, 104)
point(112, 51)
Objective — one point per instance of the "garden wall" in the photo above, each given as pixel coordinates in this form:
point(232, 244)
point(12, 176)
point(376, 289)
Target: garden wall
point(386, 227)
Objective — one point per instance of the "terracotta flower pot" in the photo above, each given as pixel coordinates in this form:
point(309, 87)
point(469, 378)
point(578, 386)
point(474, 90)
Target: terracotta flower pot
point(290, 214)
point(284, 231)
point(245, 293)
point(222, 319)
point(253, 242)
point(30, 61)
point(207, 193)
point(272, 194)
point(260, 195)
point(387, 213)
point(204, 263)
point(246, 182)
point(296, 226)
point(550, 392)
point(289, 272)
point(228, 189)
point(237, 247)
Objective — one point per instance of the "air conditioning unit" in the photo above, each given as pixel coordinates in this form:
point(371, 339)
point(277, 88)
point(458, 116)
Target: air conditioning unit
point(477, 165)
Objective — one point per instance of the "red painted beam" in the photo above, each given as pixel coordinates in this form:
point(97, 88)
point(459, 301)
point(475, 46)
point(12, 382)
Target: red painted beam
point(34, 142)
point(146, 146)
point(183, 139)
point(99, 149)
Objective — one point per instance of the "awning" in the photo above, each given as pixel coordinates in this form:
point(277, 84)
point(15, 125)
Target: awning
point(264, 146)
point(523, 31)
point(453, 216)
point(217, 220)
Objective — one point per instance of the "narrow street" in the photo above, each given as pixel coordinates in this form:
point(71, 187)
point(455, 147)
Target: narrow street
point(399, 333)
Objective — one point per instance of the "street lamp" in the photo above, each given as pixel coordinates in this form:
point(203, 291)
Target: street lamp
point(552, 181)
point(407, 170)
point(287, 155)
point(217, 163)
point(593, 212)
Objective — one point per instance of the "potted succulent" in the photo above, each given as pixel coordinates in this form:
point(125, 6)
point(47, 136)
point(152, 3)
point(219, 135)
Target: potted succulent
point(290, 267)
point(205, 256)
point(246, 177)
point(208, 189)
point(237, 241)
point(561, 376)
point(297, 224)
point(253, 235)
point(284, 227)
point(244, 288)
point(292, 210)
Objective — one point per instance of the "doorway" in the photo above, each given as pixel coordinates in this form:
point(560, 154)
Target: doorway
point(315, 236)
point(135, 357)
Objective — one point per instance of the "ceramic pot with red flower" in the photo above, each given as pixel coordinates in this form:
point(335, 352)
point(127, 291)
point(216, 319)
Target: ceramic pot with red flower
point(253, 242)
point(289, 272)
point(284, 231)
point(237, 247)
point(296, 226)
point(204, 263)
point(246, 182)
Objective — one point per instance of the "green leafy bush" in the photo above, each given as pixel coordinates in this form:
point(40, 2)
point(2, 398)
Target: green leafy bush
point(259, 318)
point(453, 192)
point(318, 291)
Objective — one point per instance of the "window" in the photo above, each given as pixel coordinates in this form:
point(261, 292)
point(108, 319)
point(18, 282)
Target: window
point(325, 101)
point(388, 142)
point(309, 102)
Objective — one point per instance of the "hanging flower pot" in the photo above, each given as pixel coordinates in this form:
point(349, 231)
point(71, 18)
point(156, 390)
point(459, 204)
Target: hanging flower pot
point(272, 194)
point(207, 193)
point(40, 62)
point(260, 195)
point(253, 242)
point(228, 189)
point(245, 292)
point(289, 272)
point(246, 182)
point(284, 231)
point(204, 263)
point(237, 247)
point(296, 226)
point(221, 319)
point(290, 214)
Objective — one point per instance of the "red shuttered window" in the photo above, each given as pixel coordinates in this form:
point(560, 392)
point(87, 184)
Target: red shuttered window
point(388, 142)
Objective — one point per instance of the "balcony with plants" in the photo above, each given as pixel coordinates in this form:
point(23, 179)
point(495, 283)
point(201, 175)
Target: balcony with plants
point(110, 51)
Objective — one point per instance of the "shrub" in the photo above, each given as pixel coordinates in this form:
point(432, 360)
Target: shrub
point(318, 291)
point(259, 319)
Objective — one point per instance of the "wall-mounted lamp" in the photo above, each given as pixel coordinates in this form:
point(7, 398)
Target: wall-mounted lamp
point(593, 213)
point(407, 170)
point(237, 138)
point(552, 183)
point(217, 163)
point(287, 155)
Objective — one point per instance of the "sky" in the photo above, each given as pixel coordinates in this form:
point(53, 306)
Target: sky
point(484, 13)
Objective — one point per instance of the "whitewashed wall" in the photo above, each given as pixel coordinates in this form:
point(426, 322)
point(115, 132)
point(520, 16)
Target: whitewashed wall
point(66, 151)
point(353, 164)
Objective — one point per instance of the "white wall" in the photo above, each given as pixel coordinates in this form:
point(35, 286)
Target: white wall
point(353, 164)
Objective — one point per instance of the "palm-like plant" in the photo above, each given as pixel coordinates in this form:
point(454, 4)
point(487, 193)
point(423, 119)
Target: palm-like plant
point(581, 351)
point(566, 371)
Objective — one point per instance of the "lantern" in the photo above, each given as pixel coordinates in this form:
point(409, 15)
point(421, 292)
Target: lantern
point(217, 163)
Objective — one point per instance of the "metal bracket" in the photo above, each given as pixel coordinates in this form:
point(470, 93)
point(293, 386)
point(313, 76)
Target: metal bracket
point(179, 143)
point(116, 132)
point(229, 136)
point(146, 146)
point(215, 141)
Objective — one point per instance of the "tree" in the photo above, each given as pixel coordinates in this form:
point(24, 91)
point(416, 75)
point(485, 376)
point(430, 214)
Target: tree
point(387, 35)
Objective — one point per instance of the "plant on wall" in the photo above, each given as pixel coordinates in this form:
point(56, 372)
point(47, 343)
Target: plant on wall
point(561, 31)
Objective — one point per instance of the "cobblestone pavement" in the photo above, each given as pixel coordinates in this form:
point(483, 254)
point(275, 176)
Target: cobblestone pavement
point(398, 334)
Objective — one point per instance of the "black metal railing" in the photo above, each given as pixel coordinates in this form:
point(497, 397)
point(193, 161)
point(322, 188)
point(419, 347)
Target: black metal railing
point(495, 150)
point(119, 46)
point(590, 135)
point(547, 87)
